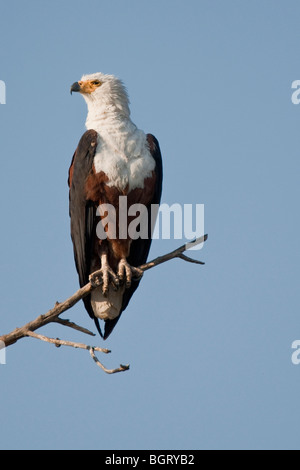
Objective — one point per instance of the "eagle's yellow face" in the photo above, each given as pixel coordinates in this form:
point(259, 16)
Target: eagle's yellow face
point(102, 93)
point(86, 86)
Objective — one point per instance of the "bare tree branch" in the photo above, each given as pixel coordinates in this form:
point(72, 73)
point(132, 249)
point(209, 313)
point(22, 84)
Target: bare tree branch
point(48, 317)
point(122, 368)
point(58, 342)
point(174, 254)
point(52, 315)
point(190, 260)
point(73, 325)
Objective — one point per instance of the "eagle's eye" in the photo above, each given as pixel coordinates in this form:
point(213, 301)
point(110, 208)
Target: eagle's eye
point(96, 82)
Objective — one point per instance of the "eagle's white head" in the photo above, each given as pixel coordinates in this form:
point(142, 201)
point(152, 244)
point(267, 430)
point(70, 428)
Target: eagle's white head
point(104, 94)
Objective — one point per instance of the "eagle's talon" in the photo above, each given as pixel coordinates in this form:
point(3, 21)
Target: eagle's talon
point(95, 280)
point(137, 273)
point(109, 277)
point(104, 277)
point(126, 273)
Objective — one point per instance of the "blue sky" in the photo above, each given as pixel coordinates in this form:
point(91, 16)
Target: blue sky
point(209, 347)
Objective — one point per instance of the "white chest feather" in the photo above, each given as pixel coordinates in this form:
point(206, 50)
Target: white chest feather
point(125, 158)
point(122, 152)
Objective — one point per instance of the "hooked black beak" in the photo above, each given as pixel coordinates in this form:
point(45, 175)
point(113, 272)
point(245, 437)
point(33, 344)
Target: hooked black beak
point(75, 87)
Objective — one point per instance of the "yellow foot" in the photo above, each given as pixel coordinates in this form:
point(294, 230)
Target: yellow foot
point(104, 277)
point(126, 272)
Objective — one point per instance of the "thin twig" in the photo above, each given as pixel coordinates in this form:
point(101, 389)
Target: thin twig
point(189, 260)
point(122, 367)
point(59, 342)
point(74, 326)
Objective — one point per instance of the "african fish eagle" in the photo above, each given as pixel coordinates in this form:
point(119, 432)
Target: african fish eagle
point(113, 158)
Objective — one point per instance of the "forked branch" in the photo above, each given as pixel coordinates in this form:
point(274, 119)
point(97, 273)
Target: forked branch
point(52, 315)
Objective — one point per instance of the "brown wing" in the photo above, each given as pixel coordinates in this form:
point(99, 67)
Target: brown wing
point(82, 211)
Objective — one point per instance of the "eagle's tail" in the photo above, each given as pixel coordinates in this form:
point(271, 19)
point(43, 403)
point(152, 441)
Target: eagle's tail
point(96, 320)
point(109, 326)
